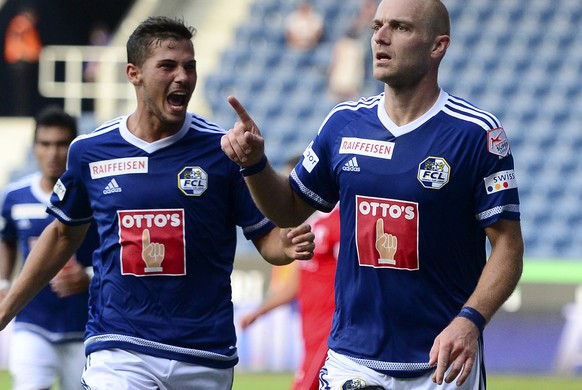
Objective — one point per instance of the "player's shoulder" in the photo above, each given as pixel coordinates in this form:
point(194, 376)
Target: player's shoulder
point(467, 115)
point(348, 111)
point(362, 106)
point(19, 189)
point(22, 184)
point(199, 124)
point(102, 132)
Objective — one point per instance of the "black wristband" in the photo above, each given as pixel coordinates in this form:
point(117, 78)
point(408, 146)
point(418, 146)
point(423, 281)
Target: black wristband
point(474, 316)
point(253, 169)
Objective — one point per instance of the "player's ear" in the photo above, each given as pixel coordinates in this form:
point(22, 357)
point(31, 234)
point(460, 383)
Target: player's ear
point(133, 74)
point(440, 46)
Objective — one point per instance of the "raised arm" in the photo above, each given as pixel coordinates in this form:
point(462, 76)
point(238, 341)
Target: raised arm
point(57, 243)
point(270, 190)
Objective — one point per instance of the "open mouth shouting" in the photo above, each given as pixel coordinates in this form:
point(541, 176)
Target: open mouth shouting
point(178, 101)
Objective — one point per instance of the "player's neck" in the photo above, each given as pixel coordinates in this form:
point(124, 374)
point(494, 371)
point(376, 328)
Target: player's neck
point(406, 105)
point(47, 184)
point(150, 128)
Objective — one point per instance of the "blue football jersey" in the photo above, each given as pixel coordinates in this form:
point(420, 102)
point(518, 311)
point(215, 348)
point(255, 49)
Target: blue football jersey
point(25, 217)
point(167, 214)
point(414, 200)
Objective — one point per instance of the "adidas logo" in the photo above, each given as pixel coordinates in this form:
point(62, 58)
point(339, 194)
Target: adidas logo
point(351, 165)
point(112, 187)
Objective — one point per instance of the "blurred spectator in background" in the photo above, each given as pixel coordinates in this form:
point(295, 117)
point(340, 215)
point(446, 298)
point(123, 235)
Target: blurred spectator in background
point(22, 47)
point(362, 23)
point(98, 36)
point(47, 342)
point(347, 67)
point(303, 27)
point(362, 26)
point(311, 283)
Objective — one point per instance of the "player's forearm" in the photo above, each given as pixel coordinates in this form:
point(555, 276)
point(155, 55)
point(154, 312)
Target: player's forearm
point(501, 273)
point(8, 255)
point(278, 299)
point(272, 249)
point(47, 257)
point(274, 197)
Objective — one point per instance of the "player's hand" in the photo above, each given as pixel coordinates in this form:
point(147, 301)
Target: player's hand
point(243, 144)
point(248, 319)
point(298, 242)
point(386, 244)
point(152, 253)
point(455, 348)
point(72, 279)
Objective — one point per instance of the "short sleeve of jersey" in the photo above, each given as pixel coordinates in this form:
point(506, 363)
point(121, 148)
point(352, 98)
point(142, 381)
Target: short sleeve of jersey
point(69, 202)
point(496, 195)
point(313, 177)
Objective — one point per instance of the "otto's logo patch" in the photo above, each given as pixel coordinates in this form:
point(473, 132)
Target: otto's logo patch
point(497, 142)
point(193, 181)
point(387, 233)
point(434, 172)
point(500, 181)
point(152, 242)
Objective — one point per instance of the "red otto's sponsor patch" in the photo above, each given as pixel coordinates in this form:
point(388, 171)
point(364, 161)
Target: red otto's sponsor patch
point(497, 142)
point(152, 242)
point(387, 233)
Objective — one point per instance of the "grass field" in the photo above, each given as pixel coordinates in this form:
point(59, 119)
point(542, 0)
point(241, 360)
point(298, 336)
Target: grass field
point(281, 381)
point(273, 381)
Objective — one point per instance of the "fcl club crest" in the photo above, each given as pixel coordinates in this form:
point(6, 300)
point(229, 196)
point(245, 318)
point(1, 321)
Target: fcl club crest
point(434, 172)
point(192, 181)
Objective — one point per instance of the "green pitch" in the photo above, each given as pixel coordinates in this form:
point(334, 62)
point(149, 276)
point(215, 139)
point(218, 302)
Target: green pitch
point(281, 381)
point(273, 381)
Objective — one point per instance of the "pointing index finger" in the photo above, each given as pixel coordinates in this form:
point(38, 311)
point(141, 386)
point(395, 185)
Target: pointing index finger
point(145, 237)
point(379, 228)
point(241, 112)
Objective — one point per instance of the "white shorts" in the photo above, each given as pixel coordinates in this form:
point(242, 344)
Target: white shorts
point(35, 363)
point(119, 369)
point(341, 373)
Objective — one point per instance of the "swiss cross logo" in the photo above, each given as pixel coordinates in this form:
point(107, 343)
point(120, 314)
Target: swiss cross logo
point(387, 233)
point(152, 242)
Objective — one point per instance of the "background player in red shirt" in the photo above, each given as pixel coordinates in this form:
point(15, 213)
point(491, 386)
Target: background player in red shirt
point(311, 283)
